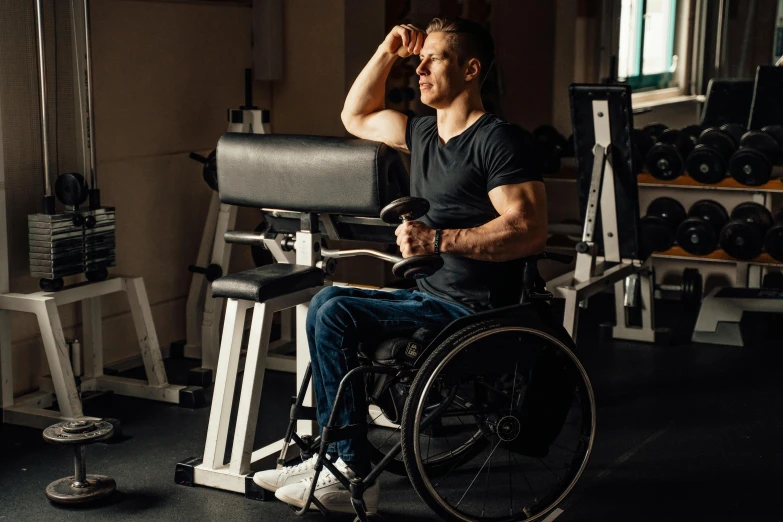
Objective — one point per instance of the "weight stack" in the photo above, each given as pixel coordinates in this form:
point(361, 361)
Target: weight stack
point(71, 242)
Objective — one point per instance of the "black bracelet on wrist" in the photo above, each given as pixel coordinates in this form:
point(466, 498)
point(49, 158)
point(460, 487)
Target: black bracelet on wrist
point(437, 241)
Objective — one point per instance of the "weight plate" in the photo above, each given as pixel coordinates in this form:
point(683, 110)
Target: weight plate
point(706, 165)
point(697, 237)
point(753, 213)
point(773, 242)
point(62, 492)
point(417, 267)
point(750, 167)
point(711, 212)
point(664, 162)
point(656, 234)
point(70, 189)
point(668, 208)
point(653, 130)
point(692, 132)
point(735, 131)
point(741, 240)
point(78, 432)
point(408, 207)
point(691, 286)
point(209, 173)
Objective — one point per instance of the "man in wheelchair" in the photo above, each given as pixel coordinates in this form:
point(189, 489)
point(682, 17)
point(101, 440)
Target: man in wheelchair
point(487, 212)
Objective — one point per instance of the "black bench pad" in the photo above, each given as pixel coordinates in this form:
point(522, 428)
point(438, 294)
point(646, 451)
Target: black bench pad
point(267, 282)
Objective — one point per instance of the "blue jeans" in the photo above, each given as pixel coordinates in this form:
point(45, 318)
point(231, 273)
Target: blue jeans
point(339, 318)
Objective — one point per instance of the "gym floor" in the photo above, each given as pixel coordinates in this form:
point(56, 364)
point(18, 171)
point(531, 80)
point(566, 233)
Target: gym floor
point(684, 432)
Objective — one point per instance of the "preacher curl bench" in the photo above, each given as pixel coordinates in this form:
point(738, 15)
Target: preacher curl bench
point(498, 395)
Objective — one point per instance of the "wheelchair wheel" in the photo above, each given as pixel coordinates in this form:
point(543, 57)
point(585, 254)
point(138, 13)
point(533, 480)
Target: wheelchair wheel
point(531, 400)
point(383, 435)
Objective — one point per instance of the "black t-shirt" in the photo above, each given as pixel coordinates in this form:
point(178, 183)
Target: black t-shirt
point(456, 178)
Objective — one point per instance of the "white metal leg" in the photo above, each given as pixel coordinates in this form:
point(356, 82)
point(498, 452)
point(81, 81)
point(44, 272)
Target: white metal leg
point(29, 410)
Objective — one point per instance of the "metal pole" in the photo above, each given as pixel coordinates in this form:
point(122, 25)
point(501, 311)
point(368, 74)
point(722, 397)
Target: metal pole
point(44, 111)
point(90, 106)
point(80, 466)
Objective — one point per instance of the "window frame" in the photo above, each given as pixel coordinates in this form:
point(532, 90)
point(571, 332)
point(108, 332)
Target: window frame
point(650, 82)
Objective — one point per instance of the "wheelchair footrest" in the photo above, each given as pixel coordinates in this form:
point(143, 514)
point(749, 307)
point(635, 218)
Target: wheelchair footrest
point(338, 433)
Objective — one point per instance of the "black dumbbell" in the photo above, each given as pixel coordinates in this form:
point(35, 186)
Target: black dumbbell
point(666, 159)
point(709, 160)
point(743, 236)
point(773, 239)
point(408, 209)
point(693, 132)
point(658, 227)
point(211, 272)
point(80, 488)
point(209, 172)
point(759, 152)
point(652, 131)
point(689, 290)
point(698, 235)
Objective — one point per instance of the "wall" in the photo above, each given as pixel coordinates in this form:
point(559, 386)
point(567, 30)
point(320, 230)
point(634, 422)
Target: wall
point(164, 74)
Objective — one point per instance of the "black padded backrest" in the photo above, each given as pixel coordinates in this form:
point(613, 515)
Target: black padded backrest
point(319, 174)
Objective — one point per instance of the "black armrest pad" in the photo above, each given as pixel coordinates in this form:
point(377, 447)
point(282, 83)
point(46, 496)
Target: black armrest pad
point(267, 282)
point(319, 174)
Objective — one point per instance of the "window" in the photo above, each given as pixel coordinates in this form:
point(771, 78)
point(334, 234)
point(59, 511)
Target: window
point(646, 57)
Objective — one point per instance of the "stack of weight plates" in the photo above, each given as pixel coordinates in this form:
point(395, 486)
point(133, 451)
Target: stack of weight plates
point(71, 243)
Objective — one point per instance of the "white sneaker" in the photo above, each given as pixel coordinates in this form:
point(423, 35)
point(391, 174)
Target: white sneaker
point(272, 479)
point(329, 491)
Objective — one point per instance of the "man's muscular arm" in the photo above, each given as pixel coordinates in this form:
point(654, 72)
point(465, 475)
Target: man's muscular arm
point(519, 231)
point(364, 115)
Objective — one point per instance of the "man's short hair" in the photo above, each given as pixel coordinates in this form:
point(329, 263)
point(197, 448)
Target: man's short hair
point(469, 40)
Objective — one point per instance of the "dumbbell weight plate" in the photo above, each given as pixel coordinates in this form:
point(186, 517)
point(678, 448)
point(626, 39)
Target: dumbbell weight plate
point(773, 242)
point(751, 164)
point(653, 130)
point(743, 236)
point(657, 234)
point(210, 171)
point(408, 207)
point(711, 212)
point(668, 208)
point(666, 159)
point(693, 132)
point(709, 161)
point(417, 267)
point(697, 237)
point(78, 432)
point(641, 145)
point(98, 486)
point(692, 284)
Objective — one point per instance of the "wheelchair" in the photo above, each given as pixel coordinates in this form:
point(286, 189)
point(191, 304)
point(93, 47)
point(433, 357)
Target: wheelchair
point(491, 418)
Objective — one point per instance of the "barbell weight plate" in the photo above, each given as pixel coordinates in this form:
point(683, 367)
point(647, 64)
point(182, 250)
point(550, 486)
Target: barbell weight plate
point(696, 236)
point(416, 267)
point(741, 240)
point(408, 207)
point(98, 486)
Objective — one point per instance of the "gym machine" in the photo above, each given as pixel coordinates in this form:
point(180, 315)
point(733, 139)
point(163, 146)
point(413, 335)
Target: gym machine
point(71, 243)
point(609, 253)
point(204, 312)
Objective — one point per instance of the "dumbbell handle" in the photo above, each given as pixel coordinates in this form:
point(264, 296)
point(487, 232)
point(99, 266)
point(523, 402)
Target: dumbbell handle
point(198, 157)
point(337, 254)
point(79, 466)
point(669, 288)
